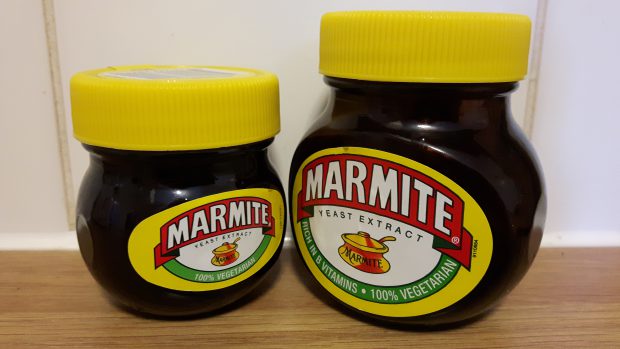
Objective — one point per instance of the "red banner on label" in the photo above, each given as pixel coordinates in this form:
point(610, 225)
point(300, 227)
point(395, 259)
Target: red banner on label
point(390, 190)
point(211, 220)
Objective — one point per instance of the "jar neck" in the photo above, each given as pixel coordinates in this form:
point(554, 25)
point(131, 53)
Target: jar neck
point(183, 160)
point(423, 103)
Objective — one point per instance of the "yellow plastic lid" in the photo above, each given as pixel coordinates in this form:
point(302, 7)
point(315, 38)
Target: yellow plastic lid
point(425, 46)
point(155, 108)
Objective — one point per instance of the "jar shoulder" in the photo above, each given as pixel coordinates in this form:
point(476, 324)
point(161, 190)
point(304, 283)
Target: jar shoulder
point(449, 148)
point(144, 190)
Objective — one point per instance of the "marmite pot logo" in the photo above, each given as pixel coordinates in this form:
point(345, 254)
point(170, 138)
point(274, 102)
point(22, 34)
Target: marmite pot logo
point(209, 243)
point(225, 254)
point(364, 253)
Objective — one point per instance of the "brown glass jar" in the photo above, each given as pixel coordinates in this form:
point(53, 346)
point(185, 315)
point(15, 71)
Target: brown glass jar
point(429, 173)
point(180, 211)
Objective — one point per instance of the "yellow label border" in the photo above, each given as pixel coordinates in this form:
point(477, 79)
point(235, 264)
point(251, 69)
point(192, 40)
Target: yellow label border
point(146, 236)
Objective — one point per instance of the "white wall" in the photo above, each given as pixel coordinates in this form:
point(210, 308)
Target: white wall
point(31, 191)
point(281, 36)
point(577, 123)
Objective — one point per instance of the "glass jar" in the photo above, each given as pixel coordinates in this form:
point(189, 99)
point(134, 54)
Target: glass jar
point(416, 199)
point(180, 211)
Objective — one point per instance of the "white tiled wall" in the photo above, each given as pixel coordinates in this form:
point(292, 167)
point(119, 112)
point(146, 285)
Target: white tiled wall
point(577, 124)
point(281, 36)
point(31, 190)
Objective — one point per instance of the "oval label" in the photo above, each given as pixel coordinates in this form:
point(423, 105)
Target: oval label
point(209, 243)
point(386, 234)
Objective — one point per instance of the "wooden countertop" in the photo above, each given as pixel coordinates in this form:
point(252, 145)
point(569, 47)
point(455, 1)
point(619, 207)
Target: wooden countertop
point(570, 298)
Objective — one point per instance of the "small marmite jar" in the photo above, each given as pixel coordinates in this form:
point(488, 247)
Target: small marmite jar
point(416, 199)
point(180, 211)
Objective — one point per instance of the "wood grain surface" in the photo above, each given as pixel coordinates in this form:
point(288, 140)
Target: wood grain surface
point(570, 298)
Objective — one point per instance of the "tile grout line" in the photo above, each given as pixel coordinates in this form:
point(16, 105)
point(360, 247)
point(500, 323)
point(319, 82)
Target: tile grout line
point(532, 84)
point(59, 109)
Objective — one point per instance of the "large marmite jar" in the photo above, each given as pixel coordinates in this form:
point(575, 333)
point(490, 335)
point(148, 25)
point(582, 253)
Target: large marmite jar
point(180, 211)
point(416, 199)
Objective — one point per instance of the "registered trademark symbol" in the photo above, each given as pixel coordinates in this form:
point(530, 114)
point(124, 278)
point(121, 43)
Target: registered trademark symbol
point(456, 240)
